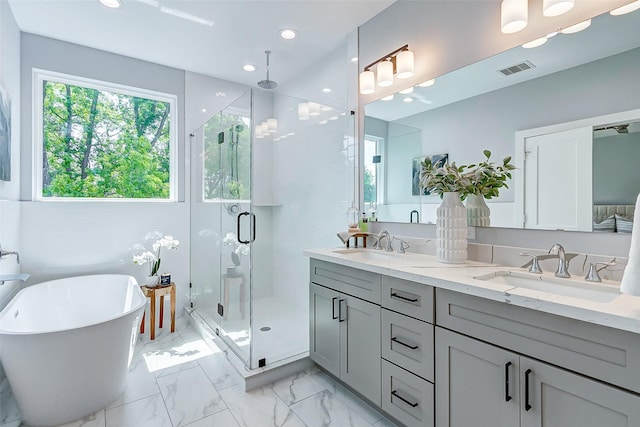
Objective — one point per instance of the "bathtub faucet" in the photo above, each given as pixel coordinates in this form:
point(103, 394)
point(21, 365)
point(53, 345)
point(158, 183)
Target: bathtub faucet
point(4, 253)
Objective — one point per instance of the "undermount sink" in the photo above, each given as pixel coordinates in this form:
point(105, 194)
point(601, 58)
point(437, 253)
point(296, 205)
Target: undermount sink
point(566, 287)
point(369, 254)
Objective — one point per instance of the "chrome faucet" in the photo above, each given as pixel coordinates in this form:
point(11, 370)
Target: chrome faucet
point(387, 246)
point(562, 263)
point(4, 253)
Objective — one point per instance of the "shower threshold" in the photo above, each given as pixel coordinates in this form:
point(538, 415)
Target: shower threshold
point(256, 377)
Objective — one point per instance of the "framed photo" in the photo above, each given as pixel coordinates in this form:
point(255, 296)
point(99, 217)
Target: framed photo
point(5, 135)
point(438, 160)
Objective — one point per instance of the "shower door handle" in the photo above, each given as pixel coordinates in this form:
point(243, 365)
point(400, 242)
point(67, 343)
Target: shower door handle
point(252, 235)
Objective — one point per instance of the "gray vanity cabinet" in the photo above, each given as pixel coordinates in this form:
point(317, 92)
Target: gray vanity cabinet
point(477, 383)
point(482, 385)
point(344, 330)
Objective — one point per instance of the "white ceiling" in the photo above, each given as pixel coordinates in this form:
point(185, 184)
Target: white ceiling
point(241, 32)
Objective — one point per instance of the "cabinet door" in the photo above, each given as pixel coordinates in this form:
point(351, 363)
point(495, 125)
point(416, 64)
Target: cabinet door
point(360, 363)
point(554, 397)
point(324, 328)
point(476, 383)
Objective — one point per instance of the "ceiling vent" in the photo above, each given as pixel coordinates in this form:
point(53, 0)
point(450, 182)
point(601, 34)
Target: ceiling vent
point(526, 65)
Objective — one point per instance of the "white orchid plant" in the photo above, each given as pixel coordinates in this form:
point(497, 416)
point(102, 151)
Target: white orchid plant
point(238, 248)
point(153, 257)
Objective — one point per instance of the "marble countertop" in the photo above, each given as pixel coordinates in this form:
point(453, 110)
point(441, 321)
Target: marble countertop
point(619, 311)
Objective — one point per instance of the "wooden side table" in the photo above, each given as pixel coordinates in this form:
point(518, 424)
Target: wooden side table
point(152, 293)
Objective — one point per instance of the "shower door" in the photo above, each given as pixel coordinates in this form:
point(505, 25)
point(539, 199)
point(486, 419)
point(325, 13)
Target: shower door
point(221, 224)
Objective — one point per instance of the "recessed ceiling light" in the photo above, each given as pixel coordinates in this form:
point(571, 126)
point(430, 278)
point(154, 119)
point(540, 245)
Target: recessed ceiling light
point(204, 110)
point(114, 4)
point(407, 99)
point(407, 90)
point(535, 43)
point(288, 33)
point(577, 27)
point(388, 98)
point(626, 8)
point(427, 83)
point(249, 67)
point(355, 58)
point(326, 90)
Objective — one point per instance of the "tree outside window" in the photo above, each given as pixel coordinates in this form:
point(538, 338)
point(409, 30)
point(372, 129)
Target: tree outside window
point(98, 143)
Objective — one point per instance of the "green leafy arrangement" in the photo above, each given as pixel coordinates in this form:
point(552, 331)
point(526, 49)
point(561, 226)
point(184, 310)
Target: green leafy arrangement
point(486, 178)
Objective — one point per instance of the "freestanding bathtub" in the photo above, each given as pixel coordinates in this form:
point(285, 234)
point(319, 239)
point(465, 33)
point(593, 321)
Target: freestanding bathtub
point(66, 345)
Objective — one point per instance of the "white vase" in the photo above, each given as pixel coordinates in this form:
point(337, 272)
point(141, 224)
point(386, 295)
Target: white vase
point(477, 211)
point(152, 281)
point(451, 230)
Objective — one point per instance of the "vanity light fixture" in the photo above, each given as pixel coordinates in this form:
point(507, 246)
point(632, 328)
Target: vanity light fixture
point(514, 15)
point(577, 27)
point(398, 62)
point(556, 7)
point(303, 111)
point(113, 4)
point(627, 8)
point(384, 72)
point(535, 43)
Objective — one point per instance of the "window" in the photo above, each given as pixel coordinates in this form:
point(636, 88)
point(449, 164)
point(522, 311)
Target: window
point(373, 147)
point(97, 140)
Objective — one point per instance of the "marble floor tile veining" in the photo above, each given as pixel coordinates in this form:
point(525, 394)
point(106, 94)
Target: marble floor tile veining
point(178, 379)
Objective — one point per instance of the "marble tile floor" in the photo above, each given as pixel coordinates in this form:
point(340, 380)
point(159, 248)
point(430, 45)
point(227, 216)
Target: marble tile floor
point(179, 380)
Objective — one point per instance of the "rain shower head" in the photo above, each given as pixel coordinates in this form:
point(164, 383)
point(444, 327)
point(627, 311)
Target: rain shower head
point(267, 84)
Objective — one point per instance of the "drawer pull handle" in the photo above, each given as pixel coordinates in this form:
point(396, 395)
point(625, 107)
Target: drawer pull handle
point(333, 308)
point(340, 319)
point(412, 347)
point(527, 405)
point(395, 393)
point(395, 295)
point(507, 397)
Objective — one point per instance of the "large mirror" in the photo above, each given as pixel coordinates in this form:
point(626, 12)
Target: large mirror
point(572, 77)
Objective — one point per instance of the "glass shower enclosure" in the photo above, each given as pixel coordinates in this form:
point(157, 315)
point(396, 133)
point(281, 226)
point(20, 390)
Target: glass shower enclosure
point(253, 204)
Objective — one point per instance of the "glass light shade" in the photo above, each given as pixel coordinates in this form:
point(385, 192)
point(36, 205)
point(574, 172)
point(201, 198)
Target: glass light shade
point(272, 125)
point(367, 82)
point(385, 73)
point(577, 27)
point(514, 15)
point(535, 43)
point(303, 111)
point(314, 109)
point(627, 8)
point(404, 64)
point(556, 7)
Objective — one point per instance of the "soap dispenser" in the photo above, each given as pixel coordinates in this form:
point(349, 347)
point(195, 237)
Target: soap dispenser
point(364, 223)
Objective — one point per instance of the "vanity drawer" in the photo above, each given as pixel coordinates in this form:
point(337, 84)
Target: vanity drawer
point(408, 343)
point(359, 283)
point(410, 298)
point(406, 397)
point(604, 353)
